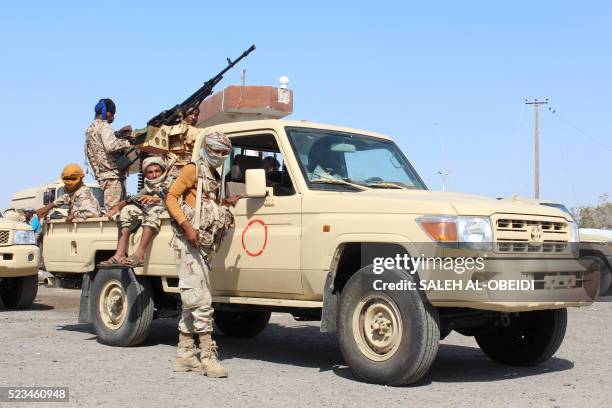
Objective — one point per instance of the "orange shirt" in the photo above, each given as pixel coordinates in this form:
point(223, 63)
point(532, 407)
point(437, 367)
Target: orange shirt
point(185, 185)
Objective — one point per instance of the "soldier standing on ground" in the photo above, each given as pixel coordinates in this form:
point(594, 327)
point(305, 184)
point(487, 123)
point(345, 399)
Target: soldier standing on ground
point(202, 220)
point(102, 148)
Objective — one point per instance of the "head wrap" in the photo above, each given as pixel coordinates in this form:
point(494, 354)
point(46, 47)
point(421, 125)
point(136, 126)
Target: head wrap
point(153, 185)
point(72, 176)
point(219, 142)
point(103, 106)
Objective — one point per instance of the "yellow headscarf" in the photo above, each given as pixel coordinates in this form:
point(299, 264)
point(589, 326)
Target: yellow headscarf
point(72, 176)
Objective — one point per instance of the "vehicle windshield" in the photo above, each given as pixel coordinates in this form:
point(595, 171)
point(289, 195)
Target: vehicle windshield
point(338, 160)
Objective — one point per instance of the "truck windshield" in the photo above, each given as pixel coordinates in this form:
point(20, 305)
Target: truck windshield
point(360, 160)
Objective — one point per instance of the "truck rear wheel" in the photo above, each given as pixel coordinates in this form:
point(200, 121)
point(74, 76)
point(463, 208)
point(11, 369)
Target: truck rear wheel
point(386, 337)
point(121, 307)
point(530, 339)
point(20, 292)
point(241, 324)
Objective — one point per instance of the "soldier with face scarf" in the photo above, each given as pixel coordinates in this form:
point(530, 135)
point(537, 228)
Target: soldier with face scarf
point(201, 217)
point(147, 207)
point(81, 202)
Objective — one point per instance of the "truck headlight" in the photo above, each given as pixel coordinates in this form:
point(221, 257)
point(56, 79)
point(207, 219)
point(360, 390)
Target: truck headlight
point(24, 238)
point(574, 232)
point(473, 230)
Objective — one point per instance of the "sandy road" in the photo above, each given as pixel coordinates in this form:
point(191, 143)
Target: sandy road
point(289, 364)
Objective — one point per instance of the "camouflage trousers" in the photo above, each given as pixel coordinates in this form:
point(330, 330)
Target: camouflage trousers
point(114, 191)
point(132, 213)
point(195, 288)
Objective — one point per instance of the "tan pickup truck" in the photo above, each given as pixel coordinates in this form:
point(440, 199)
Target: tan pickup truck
point(310, 240)
point(19, 257)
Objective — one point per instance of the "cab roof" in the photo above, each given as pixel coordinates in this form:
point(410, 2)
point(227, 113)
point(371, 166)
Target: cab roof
point(281, 123)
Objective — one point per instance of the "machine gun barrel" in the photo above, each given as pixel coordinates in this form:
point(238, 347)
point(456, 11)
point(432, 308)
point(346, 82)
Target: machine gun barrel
point(173, 115)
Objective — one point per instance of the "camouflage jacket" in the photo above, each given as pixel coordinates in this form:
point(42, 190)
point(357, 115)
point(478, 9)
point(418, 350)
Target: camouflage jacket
point(215, 219)
point(81, 203)
point(101, 150)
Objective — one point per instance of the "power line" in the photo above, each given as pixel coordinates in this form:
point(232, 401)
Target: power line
point(583, 133)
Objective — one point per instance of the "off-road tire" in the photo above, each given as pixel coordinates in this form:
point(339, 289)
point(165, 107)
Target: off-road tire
point(412, 353)
point(19, 292)
point(531, 338)
point(241, 324)
point(135, 326)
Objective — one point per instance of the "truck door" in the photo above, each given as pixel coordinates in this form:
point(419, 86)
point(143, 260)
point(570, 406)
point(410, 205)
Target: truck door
point(261, 254)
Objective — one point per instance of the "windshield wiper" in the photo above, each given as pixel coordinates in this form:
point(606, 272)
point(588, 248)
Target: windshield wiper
point(329, 180)
point(385, 184)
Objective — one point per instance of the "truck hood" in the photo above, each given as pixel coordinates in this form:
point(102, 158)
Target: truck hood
point(13, 225)
point(429, 202)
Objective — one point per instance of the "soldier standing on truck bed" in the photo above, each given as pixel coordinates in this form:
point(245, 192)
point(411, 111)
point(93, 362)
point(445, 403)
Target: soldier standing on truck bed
point(102, 148)
point(81, 202)
point(195, 203)
point(173, 167)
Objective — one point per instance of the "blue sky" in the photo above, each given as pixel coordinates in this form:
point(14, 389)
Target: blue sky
point(447, 80)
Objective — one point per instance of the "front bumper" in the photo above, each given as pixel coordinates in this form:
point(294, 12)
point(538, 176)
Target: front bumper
point(19, 260)
point(509, 285)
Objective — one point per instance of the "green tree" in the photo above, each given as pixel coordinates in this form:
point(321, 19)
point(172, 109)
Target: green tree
point(599, 216)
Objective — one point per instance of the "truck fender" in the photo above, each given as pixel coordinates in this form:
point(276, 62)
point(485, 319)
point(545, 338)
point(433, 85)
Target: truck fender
point(85, 304)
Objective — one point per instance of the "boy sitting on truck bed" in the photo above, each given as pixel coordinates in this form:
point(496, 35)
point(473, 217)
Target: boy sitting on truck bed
point(81, 202)
point(147, 207)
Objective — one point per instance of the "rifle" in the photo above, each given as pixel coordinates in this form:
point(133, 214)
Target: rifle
point(175, 114)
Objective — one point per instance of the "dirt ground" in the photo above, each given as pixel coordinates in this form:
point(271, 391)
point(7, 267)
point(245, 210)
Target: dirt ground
point(290, 364)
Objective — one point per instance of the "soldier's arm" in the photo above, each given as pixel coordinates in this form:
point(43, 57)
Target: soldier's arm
point(42, 212)
point(110, 141)
point(185, 181)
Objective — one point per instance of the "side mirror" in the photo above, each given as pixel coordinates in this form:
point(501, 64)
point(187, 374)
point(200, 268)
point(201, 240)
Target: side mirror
point(255, 183)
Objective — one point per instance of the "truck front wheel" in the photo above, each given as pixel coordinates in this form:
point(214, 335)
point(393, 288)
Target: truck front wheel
point(241, 324)
point(122, 307)
point(530, 339)
point(386, 336)
point(19, 293)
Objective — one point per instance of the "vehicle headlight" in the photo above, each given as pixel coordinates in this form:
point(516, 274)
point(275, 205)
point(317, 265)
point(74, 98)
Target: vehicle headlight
point(24, 238)
point(574, 232)
point(473, 230)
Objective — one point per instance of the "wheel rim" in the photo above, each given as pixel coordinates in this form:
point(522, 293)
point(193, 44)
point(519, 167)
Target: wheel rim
point(113, 304)
point(377, 327)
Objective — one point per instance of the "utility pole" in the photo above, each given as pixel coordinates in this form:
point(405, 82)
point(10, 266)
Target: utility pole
point(536, 105)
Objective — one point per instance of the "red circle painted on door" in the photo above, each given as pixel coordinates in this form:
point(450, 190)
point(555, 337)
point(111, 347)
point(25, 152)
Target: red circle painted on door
point(263, 247)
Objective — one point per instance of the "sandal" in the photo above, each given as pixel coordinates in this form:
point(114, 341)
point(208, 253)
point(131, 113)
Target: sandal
point(132, 261)
point(112, 261)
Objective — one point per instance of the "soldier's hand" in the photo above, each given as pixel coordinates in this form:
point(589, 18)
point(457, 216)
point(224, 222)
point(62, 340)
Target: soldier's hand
point(190, 234)
point(149, 199)
point(232, 200)
point(112, 212)
point(126, 130)
point(69, 219)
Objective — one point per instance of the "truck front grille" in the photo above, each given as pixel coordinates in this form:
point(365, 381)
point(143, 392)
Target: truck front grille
point(531, 234)
point(4, 236)
point(525, 246)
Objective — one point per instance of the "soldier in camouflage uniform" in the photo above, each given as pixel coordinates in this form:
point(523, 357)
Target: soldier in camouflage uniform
point(146, 206)
point(102, 148)
point(81, 202)
point(173, 166)
point(202, 217)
